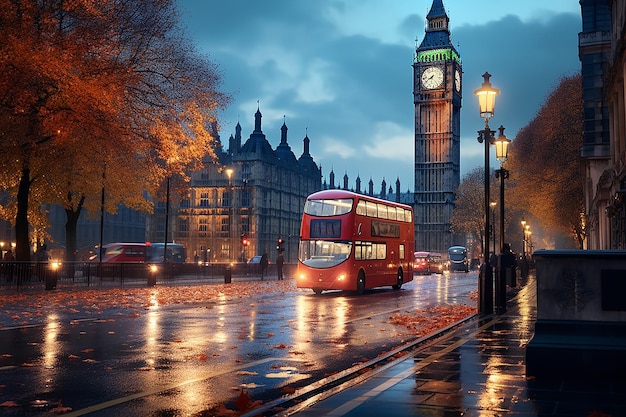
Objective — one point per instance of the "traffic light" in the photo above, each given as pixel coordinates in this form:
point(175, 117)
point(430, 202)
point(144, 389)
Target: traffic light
point(279, 246)
point(244, 240)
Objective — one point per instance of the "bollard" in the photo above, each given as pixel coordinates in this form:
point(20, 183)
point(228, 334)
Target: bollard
point(511, 278)
point(485, 289)
point(152, 275)
point(51, 276)
point(500, 301)
point(228, 274)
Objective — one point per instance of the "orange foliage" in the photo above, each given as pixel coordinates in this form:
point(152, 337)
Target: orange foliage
point(88, 84)
point(544, 162)
point(425, 322)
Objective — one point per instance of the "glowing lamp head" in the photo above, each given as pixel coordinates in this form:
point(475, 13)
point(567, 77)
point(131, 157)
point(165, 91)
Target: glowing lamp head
point(502, 145)
point(486, 98)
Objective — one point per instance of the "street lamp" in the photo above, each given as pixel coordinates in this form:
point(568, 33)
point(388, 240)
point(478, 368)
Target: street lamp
point(528, 239)
point(502, 146)
point(486, 100)
point(523, 222)
point(167, 222)
point(493, 205)
point(502, 151)
point(229, 173)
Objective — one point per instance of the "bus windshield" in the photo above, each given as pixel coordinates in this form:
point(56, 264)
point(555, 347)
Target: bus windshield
point(323, 253)
point(457, 256)
point(329, 207)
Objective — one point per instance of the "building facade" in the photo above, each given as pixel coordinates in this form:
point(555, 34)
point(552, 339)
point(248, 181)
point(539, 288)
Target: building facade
point(437, 93)
point(241, 206)
point(603, 65)
point(594, 45)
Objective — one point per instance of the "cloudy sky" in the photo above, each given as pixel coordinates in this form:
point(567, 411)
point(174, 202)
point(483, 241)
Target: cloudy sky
point(341, 71)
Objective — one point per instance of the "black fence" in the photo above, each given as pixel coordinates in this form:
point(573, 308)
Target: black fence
point(52, 275)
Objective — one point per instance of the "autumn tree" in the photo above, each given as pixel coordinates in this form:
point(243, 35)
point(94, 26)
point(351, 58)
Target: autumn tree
point(468, 216)
point(545, 161)
point(94, 95)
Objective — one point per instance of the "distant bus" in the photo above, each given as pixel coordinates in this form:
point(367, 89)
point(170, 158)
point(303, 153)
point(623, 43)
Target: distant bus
point(350, 241)
point(458, 259)
point(175, 252)
point(121, 252)
point(139, 252)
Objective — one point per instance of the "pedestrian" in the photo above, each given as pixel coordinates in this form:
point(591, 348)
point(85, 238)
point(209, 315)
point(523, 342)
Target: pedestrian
point(7, 267)
point(264, 263)
point(42, 257)
point(280, 260)
point(508, 263)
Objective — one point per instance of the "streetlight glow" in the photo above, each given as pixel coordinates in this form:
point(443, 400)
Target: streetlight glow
point(502, 145)
point(486, 98)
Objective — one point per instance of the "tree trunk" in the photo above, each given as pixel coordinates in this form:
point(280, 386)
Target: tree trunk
point(22, 248)
point(70, 230)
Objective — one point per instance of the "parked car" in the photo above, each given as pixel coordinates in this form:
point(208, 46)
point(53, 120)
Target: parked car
point(428, 262)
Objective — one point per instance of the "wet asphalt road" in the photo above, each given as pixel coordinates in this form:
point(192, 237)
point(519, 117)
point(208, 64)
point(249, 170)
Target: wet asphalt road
point(184, 359)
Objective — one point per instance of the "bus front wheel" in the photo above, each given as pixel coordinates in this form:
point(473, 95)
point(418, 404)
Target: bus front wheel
point(360, 283)
point(400, 280)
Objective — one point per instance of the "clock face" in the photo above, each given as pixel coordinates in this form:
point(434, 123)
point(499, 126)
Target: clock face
point(457, 80)
point(432, 77)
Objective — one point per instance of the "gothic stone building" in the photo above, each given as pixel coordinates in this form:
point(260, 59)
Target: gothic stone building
point(255, 193)
point(437, 74)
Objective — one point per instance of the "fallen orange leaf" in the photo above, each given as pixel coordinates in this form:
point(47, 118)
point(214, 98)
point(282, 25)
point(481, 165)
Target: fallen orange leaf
point(288, 390)
point(59, 409)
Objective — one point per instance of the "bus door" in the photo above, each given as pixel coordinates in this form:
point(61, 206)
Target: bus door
point(372, 256)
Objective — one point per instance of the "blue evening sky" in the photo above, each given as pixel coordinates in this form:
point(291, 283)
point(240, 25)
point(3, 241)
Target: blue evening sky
point(341, 70)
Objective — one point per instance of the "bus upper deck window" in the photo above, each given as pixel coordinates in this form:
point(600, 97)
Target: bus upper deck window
point(329, 207)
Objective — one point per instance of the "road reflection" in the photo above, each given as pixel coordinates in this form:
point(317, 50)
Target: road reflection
point(323, 317)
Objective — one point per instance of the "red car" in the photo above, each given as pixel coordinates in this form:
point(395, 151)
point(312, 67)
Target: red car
point(428, 262)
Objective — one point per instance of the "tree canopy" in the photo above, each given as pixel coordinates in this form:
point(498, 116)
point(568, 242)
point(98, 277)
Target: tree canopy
point(97, 94)
point(544, 160)
point(545, 182)
point(468, 216)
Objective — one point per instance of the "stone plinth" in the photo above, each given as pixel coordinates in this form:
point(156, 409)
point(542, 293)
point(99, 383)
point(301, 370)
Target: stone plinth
point(581, 314)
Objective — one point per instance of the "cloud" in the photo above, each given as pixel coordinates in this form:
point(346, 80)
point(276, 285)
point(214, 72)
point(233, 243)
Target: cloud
point(341, 72)
point(391, 141)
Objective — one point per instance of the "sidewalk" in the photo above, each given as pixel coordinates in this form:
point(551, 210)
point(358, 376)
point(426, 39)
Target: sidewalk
point(477, 370)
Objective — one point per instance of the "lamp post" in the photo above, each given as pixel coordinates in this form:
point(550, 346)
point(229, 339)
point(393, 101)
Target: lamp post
point(502, 152)
point(493, 220)
point(504, 265)
point(528, 239)
point(229, 173)
point(486, 101)
point(523, 222)
point(167, 223)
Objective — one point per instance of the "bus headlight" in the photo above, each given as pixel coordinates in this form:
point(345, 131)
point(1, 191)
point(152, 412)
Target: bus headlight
point(341, 277)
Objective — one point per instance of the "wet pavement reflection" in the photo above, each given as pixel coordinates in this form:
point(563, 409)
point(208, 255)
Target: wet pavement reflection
point(137, 352)
point(477, 370)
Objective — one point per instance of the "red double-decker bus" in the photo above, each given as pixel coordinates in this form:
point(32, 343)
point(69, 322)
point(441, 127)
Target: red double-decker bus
point(350, 241)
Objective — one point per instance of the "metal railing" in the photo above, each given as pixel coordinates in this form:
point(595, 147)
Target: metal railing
point(52, 275)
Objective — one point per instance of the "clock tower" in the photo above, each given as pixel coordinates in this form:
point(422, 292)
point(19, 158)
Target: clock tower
point(437, 77)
